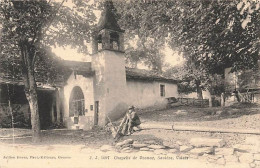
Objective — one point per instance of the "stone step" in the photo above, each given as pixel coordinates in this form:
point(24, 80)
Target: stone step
point(257, 156)
point(204, 142)
point(160, 152)
point(253, 140)
point(125, 142)
point(224, 151)
point(246, 158)
point(144, 149)
point(156, 146)
point(185, 148)
point(137, 145)
point(201, 151)
point(106, 148)
point(231, 158)
point(246, 148)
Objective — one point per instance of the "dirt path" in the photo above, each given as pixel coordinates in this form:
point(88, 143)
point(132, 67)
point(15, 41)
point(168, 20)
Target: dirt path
point(243, 117)
point(83, 148)
point(79, 156)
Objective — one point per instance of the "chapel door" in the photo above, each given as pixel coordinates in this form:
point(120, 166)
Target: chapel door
point(77, 104)
point(96, 112)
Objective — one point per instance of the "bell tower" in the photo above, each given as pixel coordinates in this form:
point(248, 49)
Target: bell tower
point(108, 36)
point(108, 61)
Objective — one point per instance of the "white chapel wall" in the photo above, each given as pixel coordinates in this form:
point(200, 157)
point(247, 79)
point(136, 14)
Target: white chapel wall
point(115, 80)
point(109, 84)
point(144, 94)
point(86, 84)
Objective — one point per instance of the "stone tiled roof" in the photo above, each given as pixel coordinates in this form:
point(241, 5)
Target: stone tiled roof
point(77, 65)
point(108, 18)
point(80, 68)
point(84, 68)
point(142, 74)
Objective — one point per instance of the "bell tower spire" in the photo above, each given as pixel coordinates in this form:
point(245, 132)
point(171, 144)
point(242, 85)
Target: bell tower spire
point(109, 35)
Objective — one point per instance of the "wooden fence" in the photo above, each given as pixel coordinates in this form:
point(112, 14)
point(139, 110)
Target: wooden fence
point(248, 97)
point(189, 101)
point(5, 109)
point(194, 102)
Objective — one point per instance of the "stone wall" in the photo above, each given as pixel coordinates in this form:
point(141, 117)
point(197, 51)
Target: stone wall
point(207, 150)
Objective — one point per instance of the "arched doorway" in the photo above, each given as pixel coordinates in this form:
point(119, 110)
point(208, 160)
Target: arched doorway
point(76, 104)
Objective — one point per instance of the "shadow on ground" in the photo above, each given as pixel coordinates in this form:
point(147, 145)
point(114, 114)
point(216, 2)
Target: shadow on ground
point(92, 138)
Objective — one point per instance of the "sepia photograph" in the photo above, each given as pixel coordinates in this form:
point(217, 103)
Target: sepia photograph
point(130, 83)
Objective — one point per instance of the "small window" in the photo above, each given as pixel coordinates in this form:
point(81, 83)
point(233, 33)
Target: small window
point(162, 90)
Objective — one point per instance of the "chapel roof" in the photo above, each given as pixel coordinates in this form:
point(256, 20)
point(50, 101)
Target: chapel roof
point(108, 18)
point(77, 65)
point(142, 74)
point(84, 68)
point(80, 68)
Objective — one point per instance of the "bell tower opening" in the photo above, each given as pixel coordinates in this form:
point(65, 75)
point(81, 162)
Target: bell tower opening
point(114, 41)
point(99, 42)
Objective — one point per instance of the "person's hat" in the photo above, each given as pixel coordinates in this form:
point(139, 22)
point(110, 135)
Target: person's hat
point(131, 107)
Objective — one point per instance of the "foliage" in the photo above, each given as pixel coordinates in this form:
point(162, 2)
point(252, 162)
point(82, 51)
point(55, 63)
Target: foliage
point(186, 84)
point(147, 53)
point(247, 80)
point(192, 79)
point(43, 25)
point(20, 121)
point(29, 28)
point(212, 34)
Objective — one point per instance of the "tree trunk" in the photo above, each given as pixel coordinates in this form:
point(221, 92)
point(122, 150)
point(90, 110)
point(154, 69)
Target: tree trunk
point(58, 105)
point(199, 90)
point(237, 96)
point(210, 99)
point(31, 95)
point(28, 54)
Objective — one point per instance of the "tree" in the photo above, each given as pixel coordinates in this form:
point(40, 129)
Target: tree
point(28, 27)
point(148, 53)
point(193, 79)
point(218, 38)
point(213, 34)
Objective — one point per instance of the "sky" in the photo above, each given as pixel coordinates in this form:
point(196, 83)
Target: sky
point(67, 52)
point(171, 57)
